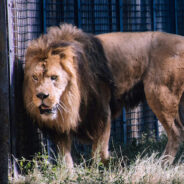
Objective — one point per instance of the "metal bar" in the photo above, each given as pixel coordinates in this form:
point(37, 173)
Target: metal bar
point(76, 12)
point(119, 15)
point(44, 20)
point(176, 16)
point(156, 128)
point(93, 16)
point(4, 95)
point(172, 16)
point(124, 127)
point(110, 15)
point(153, 15)
point(79, 13)
point(10, 6)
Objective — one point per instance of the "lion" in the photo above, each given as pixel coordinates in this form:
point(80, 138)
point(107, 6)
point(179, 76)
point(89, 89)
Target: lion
point(75, 83)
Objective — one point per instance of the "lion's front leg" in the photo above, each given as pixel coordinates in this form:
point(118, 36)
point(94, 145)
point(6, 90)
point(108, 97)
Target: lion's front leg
point(64, 143)
point(101, 143)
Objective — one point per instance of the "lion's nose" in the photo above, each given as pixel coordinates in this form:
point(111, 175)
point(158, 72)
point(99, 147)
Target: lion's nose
point(42, 95)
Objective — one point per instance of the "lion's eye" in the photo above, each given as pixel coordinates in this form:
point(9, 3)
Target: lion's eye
point(53, 77)
point(35, 78)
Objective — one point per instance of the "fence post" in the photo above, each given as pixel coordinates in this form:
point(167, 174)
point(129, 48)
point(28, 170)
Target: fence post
point(156, 129)
point(176, 16)
point(11, 50)
point(110, 15)
point(153, 15)
point(124, 127)
point(172, 16)
point(43, 15)
point(4, 96)
point(77, 12)
point(119, 15)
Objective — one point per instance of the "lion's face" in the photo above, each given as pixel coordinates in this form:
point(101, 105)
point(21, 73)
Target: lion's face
point(46, 81)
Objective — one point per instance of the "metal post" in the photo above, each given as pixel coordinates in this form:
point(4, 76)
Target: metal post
point(124, 127)
point(119, 15)
point(77, 11)
point(44, 23)
point(172, 16)
point(110, 14)
point(176, 16)
point(156, 128)
point(93, 16)
point(4, 96)
point(153, 16)
point(11, 39)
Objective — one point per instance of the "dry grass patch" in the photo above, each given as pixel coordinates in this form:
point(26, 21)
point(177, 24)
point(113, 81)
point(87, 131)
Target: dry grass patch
point(147, 169)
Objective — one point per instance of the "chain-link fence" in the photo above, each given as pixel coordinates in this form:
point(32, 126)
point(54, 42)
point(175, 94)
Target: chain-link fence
point(27, 19)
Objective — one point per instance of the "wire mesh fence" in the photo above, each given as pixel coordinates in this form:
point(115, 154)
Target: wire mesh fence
point(27, 19)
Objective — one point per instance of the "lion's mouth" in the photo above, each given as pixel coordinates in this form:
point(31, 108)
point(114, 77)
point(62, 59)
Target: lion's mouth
point(44, 109)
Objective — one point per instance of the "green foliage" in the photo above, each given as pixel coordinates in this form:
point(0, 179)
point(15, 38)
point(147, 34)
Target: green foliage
point(136, 163)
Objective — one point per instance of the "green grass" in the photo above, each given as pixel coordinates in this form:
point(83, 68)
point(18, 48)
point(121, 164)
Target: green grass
point(136, 163)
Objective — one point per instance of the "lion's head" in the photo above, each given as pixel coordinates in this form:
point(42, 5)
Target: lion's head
point(51, 84)
point(63, 71)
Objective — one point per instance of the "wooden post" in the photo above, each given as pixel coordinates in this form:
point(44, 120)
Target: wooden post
point(4, 96)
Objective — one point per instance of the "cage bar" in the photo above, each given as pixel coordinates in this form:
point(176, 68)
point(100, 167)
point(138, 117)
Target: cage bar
point(4, 95)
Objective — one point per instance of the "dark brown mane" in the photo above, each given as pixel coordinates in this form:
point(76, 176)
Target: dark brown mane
point(92, 70)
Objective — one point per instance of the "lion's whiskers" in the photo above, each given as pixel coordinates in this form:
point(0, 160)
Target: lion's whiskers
point(61, 103)
point(60, 111)
point(63, 106)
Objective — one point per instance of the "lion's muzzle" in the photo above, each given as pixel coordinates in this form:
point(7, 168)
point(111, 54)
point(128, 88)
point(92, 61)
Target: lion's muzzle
point(42, 96)
point(46, 110)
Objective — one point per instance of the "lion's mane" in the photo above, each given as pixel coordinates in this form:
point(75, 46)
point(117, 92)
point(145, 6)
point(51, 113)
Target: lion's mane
point(84, 59)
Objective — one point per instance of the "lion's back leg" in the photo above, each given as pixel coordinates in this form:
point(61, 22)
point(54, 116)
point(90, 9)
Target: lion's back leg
point(164, 104)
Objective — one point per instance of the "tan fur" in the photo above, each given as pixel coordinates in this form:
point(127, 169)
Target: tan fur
point(158, 60)
point(96, 76)
point(70, 97)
